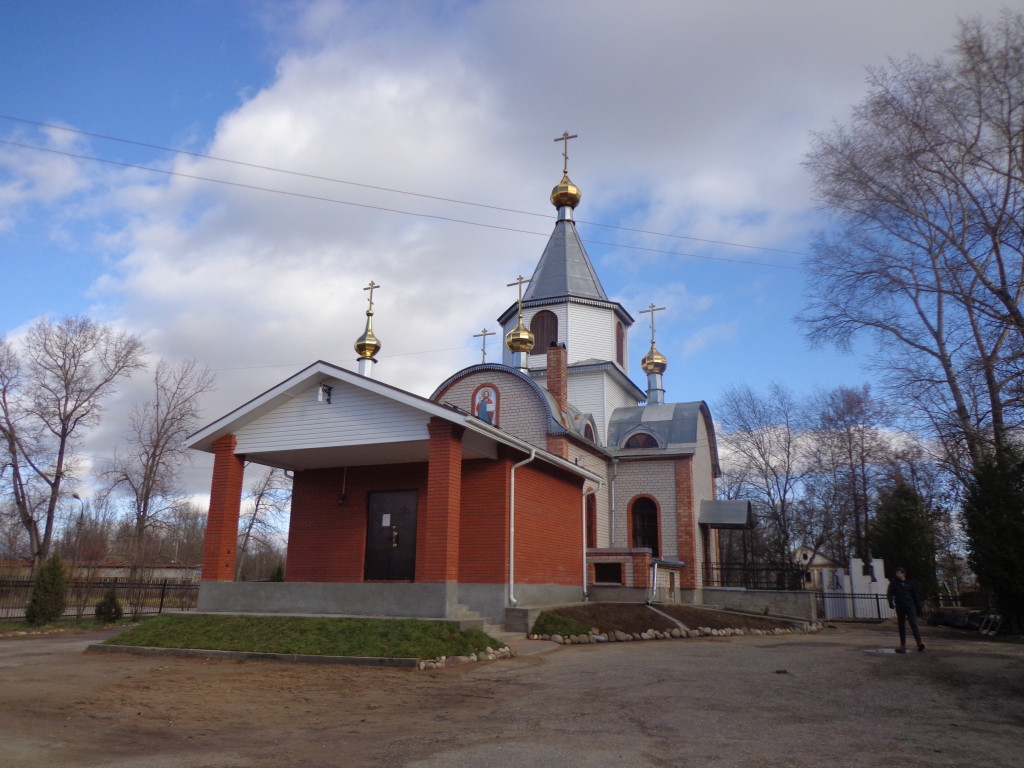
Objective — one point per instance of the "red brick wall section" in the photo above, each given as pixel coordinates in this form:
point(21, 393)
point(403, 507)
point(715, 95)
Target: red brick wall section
point(437, 537)
point(327, 534)
point(558, 445)
point(483, 537)
point(686, 523)
point(221, 540)
point(549, 526)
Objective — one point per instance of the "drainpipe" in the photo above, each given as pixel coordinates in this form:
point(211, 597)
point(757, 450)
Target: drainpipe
point(654, 582)
point(512, 524)
point(587, 492)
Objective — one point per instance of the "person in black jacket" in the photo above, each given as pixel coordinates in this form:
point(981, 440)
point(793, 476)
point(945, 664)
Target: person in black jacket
point(903, 597)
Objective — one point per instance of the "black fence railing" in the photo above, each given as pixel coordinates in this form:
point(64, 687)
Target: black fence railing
point(138, 598)
point(853, 605)
point(781, 576)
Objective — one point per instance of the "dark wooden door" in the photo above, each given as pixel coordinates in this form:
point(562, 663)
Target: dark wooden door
point(391, 536)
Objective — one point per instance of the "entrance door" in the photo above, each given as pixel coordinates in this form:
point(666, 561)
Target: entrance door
point(391, 536)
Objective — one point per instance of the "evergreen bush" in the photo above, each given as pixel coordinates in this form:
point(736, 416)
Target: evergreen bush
point(278, 573)
point(108, 609)
point(49, 593)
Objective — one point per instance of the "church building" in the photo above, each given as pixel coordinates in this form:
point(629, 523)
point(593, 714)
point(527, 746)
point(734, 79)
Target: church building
point(549, 478)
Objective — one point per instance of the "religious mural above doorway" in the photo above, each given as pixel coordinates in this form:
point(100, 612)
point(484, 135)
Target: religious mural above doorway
point(485, 404)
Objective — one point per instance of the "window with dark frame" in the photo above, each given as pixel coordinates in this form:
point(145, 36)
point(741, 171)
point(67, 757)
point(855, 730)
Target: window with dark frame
point(645, 525)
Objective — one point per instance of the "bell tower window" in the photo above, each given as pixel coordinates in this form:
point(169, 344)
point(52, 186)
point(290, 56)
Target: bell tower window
point(544, 327)
point(620, 344)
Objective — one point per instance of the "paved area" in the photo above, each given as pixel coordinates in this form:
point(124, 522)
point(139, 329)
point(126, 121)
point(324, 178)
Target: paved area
point(835, 698)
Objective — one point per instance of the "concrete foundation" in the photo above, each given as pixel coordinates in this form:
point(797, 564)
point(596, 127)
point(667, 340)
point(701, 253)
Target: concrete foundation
point(801, 605)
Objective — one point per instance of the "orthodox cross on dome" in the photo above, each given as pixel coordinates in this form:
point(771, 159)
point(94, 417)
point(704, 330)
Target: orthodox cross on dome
point(564, 138)
point(651, 309)
point(370, 288)
point(520, 281)
point(483, 342)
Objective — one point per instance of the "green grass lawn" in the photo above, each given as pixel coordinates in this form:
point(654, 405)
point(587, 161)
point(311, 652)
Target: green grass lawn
point(406, 638)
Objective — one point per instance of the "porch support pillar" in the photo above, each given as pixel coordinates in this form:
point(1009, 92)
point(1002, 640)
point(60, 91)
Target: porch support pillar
point(437, 538)
point(222, 523)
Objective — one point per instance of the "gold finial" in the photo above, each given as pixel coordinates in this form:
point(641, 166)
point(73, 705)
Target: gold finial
point(519, 339)
point(565, 193)
point(483, 342)
point(368, 345)
point(653, 361)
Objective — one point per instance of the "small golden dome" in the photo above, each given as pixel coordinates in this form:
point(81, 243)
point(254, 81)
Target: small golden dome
point(519, 339)
point(654, 362)
point(565, 193)
point(368, 345)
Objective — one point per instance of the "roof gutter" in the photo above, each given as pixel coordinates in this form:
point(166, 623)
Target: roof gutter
point(512, 524)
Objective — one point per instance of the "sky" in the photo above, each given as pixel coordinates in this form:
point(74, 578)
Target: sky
point(411, 143)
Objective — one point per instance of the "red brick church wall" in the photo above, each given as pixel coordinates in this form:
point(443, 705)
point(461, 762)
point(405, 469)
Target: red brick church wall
point(327, 539)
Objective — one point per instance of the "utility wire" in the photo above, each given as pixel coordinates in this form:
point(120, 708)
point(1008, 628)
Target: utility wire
point(320, 198)
point(383, 189)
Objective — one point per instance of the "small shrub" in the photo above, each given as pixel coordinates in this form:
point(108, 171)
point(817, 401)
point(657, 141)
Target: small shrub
point(49, 593)
point(552, 624)
point(108, 609)
point(278, 573)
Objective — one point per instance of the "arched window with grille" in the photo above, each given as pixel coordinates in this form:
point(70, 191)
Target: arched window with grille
point(544, 327)
point(644, 520)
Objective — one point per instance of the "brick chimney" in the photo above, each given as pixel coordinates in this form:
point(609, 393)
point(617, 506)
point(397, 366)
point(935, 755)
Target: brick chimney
point(558, 375)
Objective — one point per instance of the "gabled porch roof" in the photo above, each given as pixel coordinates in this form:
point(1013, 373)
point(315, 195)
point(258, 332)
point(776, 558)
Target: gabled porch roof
point(365, 423)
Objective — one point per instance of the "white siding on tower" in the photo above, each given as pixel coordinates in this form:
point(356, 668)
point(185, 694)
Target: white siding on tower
point(591, 333)
point(353, 417)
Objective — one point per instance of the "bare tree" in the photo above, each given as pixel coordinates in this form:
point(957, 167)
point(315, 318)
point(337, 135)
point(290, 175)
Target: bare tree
point(927, 181)
point(50, 394)
point(762, 439)
point(268, 501)
point(149, 470)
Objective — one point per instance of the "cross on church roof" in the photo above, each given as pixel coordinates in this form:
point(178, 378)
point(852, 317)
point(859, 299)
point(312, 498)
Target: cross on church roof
point(370, 288)
point(520, 281)
point(564, 138)
point(483, 342)
point(651, 309)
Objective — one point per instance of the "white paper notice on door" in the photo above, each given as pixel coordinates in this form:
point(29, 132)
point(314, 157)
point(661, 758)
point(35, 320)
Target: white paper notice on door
point(385, 520)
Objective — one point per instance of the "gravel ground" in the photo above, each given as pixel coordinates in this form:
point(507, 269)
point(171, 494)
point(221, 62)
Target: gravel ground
point(836, 698)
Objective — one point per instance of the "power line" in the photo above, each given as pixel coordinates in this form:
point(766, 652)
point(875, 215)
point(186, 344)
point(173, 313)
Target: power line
point(392, 190)
point(319, 198)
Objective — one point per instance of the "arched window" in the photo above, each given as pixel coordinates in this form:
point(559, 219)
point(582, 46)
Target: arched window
point(641, 440)
point(644, 516)
point(588, 432)
point(591, 521)
point(620, 344)
point(544, 327)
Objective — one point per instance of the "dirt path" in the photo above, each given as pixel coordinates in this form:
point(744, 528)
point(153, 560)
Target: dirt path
point(829, 699)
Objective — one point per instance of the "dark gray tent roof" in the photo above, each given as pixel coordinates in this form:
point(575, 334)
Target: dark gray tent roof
point(673, 424)
point(564, 268)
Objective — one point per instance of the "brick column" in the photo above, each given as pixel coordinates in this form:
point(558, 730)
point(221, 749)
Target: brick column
point(686, 524)
point(558, 386)
point(222, 522)
point(437, 535)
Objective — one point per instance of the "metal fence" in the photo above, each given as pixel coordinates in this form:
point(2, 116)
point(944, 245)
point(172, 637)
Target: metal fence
point(853, 605)
point(138, 598)
point(781, 576)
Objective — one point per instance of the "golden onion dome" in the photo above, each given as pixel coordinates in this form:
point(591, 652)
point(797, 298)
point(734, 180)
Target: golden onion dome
point(519, 339)
point(565, 193)
point(654, 362)
point(368, 345)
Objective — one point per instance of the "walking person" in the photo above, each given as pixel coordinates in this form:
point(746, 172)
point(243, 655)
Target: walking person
point(904, 598)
